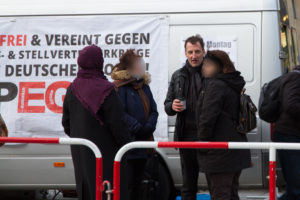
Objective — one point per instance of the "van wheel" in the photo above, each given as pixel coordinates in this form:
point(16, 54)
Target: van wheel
point(157, 183)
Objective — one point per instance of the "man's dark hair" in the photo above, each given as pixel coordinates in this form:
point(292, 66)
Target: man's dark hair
point(194, 39)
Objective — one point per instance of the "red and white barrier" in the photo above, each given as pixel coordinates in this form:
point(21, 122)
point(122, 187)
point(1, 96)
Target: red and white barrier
point(272, 147)
point(66, 141)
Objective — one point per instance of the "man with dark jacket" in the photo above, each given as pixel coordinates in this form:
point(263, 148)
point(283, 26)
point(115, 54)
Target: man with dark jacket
point(183, 92)
point(287, 129)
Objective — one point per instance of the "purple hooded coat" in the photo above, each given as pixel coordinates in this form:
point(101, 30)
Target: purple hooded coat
point(92, 110)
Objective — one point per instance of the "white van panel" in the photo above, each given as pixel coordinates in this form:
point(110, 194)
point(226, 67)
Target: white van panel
point(75, 7)
point(32, 172)
point(30, 166)
point(258, 47)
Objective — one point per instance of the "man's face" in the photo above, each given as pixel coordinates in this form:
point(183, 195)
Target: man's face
point(194, 53)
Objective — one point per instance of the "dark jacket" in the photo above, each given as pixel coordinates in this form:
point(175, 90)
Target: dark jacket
point(135, 116)
point(289, 120)
point(178, 88)
point(80, 123)
point(218, 106)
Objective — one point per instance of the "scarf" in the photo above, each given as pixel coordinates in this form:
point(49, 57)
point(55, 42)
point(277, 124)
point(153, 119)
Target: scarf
point(138, 86)
point(194, 85)
point(91, 87)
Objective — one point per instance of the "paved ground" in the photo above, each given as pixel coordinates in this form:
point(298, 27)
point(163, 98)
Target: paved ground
point(252, 194)
point(249, 194)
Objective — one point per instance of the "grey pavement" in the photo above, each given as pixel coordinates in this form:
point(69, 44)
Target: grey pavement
point(245, 194)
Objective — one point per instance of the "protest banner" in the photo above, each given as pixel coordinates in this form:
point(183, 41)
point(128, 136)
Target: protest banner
point(38, 62)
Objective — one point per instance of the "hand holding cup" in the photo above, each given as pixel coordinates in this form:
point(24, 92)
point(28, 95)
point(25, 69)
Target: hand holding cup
point(178, 105)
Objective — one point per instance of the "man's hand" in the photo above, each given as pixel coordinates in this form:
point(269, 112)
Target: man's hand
point(177, 106)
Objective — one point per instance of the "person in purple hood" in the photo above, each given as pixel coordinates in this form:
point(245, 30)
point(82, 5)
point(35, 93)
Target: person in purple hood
point(92, 110)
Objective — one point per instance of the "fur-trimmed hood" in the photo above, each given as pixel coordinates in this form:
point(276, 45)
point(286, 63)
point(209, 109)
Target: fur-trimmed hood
point(125, 75)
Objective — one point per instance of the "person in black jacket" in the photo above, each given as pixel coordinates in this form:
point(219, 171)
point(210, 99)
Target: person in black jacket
point(218, 116)
point(287, 129)
point(182, 96)
point(92, 110)
point(132, 84)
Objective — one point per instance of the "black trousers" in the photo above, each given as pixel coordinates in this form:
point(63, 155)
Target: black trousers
point(85, 173)
point(290, 165)
point(190, 173)
point(135, 168)
point(223, 186)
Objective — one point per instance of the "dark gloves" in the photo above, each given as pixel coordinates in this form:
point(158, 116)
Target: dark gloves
point(146, 132)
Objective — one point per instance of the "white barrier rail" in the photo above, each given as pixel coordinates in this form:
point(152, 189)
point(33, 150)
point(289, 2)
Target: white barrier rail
point(272, 147)
point(66, 141)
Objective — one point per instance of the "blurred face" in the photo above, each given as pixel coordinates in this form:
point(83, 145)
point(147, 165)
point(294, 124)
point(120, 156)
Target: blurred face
point(209, 69)
point(194, 53)
point(138, 69)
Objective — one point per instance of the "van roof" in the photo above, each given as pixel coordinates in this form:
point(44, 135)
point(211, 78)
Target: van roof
point(71, 7)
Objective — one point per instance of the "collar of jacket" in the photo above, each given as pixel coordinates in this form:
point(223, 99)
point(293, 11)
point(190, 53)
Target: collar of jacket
point(184, 70)
point(125, 75)
point(191, 69)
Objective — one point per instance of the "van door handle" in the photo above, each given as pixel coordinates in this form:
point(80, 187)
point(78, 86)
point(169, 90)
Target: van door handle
point(282, 55)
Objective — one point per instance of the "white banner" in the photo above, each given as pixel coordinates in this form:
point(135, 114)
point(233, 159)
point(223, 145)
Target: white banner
point(38, 61)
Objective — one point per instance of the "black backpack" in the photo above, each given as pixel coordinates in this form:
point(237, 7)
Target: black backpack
point(269, 100)
point(247, 116)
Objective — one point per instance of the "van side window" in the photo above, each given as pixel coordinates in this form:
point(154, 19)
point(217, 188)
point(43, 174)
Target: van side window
point(289, 45)
point(295, 46)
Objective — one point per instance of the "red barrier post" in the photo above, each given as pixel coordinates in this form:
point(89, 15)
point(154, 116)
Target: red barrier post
point(117, 174)
point(99, 175)
point(272, 173)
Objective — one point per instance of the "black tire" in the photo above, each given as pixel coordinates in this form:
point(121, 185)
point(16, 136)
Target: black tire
point(157, 182)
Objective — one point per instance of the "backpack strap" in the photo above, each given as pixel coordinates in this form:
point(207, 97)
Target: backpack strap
point(243, 91)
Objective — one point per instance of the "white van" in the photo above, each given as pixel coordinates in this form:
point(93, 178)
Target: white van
point(264, 42)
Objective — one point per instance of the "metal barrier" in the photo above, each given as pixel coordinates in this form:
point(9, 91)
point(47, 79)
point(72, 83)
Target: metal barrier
point(66, 141)
point(272, 147)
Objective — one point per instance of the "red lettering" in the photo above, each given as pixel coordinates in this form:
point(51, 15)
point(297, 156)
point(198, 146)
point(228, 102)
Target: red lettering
point(10, 40)
point(25, 39)
point(2, 39)
point(19, 40)
point(25, 96)
point(50, 95)
point(13, 40)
